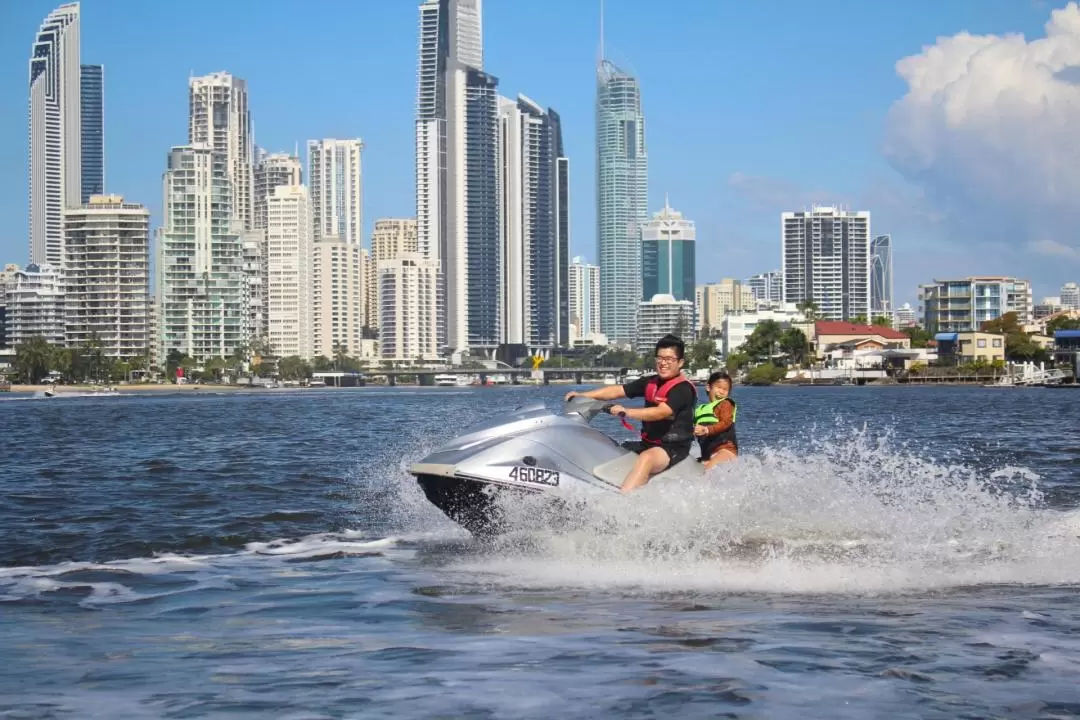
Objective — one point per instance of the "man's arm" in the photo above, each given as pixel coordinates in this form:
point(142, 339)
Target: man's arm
point(662, 411)
point(608, 392)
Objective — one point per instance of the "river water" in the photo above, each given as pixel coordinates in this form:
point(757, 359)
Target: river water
point(877, 552)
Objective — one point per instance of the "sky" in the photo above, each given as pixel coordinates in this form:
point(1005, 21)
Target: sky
point(954, 123)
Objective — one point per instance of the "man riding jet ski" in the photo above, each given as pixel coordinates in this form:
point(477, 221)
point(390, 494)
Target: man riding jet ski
point(667, 419)
point(535, 451)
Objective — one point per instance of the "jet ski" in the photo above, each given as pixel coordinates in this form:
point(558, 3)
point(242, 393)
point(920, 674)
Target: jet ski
point(530, 450)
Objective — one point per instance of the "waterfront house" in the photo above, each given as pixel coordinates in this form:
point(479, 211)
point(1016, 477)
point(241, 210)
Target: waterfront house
point(830, 334)
point(1067, 350)
point(962, 348)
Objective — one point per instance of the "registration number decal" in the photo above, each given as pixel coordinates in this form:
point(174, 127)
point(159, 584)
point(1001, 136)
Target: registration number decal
point(539, 476)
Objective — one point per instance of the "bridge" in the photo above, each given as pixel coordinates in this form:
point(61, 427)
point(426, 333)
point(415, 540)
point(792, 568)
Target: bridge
point(426, 376)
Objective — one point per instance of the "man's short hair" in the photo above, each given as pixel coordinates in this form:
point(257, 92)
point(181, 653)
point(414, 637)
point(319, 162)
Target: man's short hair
point(670, 341)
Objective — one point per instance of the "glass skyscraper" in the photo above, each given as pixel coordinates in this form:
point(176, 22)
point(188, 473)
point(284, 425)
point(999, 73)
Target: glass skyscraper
point(881, 275)
point(667, 256)
point(91, 82)
point(622, 196)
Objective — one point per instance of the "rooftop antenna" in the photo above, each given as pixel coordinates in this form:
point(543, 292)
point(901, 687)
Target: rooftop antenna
point(601, 31)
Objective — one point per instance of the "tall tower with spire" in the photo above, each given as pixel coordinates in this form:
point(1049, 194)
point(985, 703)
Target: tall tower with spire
point(621, 195)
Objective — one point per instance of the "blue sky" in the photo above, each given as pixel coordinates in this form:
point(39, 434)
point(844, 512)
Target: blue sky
point(750, 107)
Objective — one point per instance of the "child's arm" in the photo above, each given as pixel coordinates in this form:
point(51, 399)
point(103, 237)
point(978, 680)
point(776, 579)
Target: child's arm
point(724, 413)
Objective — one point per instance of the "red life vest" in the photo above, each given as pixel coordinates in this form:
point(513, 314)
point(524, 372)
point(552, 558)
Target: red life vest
point(655, 393)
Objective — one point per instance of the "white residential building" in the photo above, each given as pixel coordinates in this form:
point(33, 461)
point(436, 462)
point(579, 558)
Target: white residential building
point(904, 317)
point(660, 316)
point(369, 279)
point(392, 236)
point(255, 270)
point(335, 180)
point(35, 304)
point(529, 306)
point(584, 301)
point(1070, 296)
point(200, 258)
point(964, 304)
point(289, 265)
point(715, 301)
point(337, 298)
point(735, 329)
point(457, 173)
point(826, 259)
point(218, 117)
point(107, 276)
point(271, 170)
point(768, 288)
point(408, 285)
point(55, 132)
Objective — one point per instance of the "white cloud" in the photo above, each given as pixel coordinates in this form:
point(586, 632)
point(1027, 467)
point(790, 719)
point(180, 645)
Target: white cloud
point(990, 129)
point(1054, 249)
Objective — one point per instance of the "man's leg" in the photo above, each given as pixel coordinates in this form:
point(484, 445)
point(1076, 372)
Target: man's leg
point(648, 463)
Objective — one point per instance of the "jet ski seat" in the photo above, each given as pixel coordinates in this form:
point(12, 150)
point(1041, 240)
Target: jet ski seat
point(615, 471)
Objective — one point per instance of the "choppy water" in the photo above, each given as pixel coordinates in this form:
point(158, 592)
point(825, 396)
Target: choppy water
point(878, 552)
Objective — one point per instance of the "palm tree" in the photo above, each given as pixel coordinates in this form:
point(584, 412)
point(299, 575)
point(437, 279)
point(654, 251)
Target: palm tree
point(34, 358)
point(809, 309)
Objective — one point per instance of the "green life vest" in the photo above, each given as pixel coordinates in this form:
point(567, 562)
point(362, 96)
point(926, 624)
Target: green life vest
point(706, 414)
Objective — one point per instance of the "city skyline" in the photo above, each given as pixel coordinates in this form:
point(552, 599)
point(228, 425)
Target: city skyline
point(752, 180)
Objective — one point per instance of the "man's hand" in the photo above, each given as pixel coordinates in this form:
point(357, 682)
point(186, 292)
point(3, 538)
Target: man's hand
point(700, 430)
point(616, 410)
point(571, 394)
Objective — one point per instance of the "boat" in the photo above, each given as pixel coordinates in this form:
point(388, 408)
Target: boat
point(446, 380)
point(529, 450)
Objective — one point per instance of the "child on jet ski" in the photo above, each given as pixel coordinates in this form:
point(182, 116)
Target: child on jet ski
point(714, 422)
point(667, 419)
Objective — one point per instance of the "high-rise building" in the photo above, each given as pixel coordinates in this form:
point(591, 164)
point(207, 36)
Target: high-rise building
point(34, 299)
point(107, 276)
point(562, 233)
point(530, 248)
point(621, 197)
point(200, 258)
point(272, 170)
point(392, 236)
point(256, 267)
point(92, 134)
point(408, 285)
point(584, 300)
point(474, 264)
point(337, 305)
point(457, 172)
point(767, 287)
point(1070, 296)
point(905, 316)
point(715, 301)
point(218, 117)
point(668, 247)
point(369, 275)
point(659, 316)
point(335, 179)
point(881, 276)
point(826, 260)
point(288, 279)
point(55, 132)
point(964, 304)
